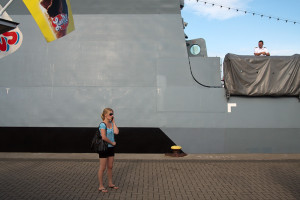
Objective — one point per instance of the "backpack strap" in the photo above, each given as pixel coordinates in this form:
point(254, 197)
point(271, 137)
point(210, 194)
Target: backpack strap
point(105, 125)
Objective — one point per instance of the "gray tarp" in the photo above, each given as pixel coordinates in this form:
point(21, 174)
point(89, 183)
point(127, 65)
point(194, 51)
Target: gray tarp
point(262, 75)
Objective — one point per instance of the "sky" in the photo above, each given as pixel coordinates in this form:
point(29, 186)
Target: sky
point(228, 31)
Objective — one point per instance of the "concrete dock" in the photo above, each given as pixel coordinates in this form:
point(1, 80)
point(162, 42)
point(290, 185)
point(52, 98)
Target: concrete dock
point(151, 176)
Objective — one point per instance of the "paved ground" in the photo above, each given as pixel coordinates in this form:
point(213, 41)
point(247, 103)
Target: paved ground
point(73, 176)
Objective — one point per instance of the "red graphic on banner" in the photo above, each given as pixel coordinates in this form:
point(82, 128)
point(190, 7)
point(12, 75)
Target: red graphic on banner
point(60, 22)
point(7, 39)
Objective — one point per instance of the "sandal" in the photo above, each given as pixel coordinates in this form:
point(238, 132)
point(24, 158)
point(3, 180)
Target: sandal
point(104, 190)
point(114, 187)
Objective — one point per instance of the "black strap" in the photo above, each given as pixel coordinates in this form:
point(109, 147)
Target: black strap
point(105, 125)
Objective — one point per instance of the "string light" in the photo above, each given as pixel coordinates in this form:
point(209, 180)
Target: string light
point(245, 11)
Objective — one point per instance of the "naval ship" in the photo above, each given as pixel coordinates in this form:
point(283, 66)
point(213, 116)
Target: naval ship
point(133, 56)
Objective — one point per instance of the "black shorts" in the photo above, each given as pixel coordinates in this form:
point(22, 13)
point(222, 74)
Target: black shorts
point(109, 153)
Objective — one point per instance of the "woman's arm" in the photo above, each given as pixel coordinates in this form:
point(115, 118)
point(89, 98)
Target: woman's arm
point(103, 135)
point(115, 128)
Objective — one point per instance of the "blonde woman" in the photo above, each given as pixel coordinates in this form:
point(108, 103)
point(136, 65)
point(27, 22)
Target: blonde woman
point(108, 129)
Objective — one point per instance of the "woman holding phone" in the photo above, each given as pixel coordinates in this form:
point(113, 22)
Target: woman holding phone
point(108, 129)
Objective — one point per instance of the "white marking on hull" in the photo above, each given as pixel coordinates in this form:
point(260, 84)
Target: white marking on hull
point(229, 106)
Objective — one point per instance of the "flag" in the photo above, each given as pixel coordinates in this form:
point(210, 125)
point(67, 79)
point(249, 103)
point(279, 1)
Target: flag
point(10, 41)
point(54, 17)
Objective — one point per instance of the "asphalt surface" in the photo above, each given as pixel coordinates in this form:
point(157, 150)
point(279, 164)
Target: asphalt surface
point(151, 176)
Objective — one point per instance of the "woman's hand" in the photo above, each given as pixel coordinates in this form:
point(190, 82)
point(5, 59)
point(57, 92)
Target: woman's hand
point(113, 143)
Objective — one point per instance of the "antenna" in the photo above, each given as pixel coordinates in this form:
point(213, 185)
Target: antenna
point(4, 8)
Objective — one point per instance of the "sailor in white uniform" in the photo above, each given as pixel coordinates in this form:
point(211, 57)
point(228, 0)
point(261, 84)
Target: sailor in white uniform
point(261, 50)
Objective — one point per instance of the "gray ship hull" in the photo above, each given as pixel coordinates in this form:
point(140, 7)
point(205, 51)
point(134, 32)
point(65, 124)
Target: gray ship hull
point(132, 56)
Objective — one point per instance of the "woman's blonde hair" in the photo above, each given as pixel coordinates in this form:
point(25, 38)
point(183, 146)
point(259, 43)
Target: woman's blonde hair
point(105, 111)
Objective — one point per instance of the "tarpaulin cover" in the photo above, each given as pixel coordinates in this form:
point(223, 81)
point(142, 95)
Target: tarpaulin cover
point(262, 75)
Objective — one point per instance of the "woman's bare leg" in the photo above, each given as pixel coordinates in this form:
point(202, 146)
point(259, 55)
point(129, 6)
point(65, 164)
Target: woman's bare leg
point(103, 163)
point(110, 163)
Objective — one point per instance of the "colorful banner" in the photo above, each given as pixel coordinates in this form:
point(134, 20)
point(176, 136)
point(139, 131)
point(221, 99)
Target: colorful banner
point(54, 17)
point(11, 40)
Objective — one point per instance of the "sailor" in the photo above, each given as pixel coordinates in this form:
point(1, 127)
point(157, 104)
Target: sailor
point(261, 50)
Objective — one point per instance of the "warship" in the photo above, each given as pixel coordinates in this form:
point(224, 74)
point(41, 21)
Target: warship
point(133, 56)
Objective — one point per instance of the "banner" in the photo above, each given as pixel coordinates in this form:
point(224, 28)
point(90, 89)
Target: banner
point(11, 40)
point(54, 17)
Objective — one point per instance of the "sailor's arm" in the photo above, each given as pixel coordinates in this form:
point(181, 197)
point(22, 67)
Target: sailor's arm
point(256, 52)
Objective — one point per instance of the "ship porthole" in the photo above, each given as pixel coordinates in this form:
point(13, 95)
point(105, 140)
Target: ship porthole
point(195, 49)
